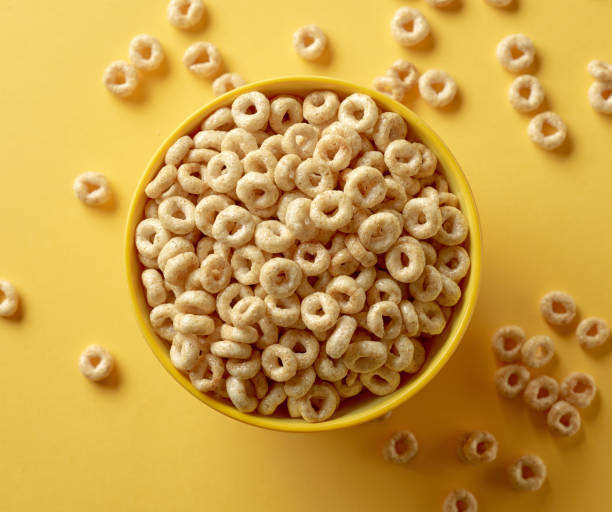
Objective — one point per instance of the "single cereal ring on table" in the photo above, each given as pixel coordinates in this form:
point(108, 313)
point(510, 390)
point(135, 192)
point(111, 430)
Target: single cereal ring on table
point(177, 215)
point(275, 397)
point(279, 363)
point(600, 70)
point(541, 393)
point(153, 283)
point(120, 78)
point(334, 150)
point(422, 218)
point(527, 473)
point(431, 318)
point(207, 373)
point(244, 368)
point(257, 190)
point(359, 112)
point(241, 393)
point(331, 210)
point(510, 380)
point(145, 52)
point(563, 419)
point(507, 342)
point(285, 111)
point(384, 288)
point(320, 311)
point(95, 362)
point(379, 232)
point(239, 141)
point(600, 96)
point(320, 107)
point(365, 356)
point(406, 260)
point(578, 389)
point(453, 262)
point(203, 59)
point(319, 403)
point(390, 86)
point(301, 383)
point(242, 107)
point(516, 52)
point(365, 187)
point(280, 277)
point(477, 447)
point(433, 95)
point(410, 318)
point(234, 226)
point(197, 302)
point(309, 42)
point(92, 188)
point(409, 26)
point(401, 447)
point(163, 180)
point(547, 130)
point(592, 332)
point(526, 93)
point(404, 71)
point(215, 273)
point(184, 351)
point(349, 295)
point(231, 349)
point(284, 173)
point(381, 381)
point(428, 286)
point(227, 82)
point(162, 318)
point(313, 258)
point(404, 159)
point(537, 351)
point(247, 311)
point(283, 312)
point(389, 127)
point(151, 237)
point(558, 308)
point(330, 370)
point(314, 176)
point(223, 172)
point(188, 323)
point(300, 139)
point(459, 500)
point(185, 13)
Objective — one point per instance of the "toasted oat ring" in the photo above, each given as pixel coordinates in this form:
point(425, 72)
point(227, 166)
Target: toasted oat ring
point(384, 288)
point(365, 356)
point(526, 93)
point(541, 393)
point(309, 42)
point(246, 264)
point(189, 180)
point(453, 262)
point(284, 173)
point(477, 447)
point(120, 78)
point(519, 45)
point(185, 13)
point(273, 144)
point(279, 363)
point(459, 500)
point(371, 158)
point(404, 71)
point(184, 351)
point(422, 218)
point(431, 318)
point(320, 311)
point(197, 302)
point(409, 26)
point(241, 393)
point(301, 383)
point(376, 319)
point(188, 323)
point(389, 127)
point(313, 258)
point(527, 473)
point(391, 86)
point(203, 59)
point(273, 399)
point(401, 447)
point(347, 293)
point(433, 96)
point(162, 318)
point(359, 112)
point(223, 172)
point(331, 210)
point(92, 188)
point(152, 281)
point(285, 111)
point(227, 82)
point(244, 368)
point(234, 226)
point(145, 52)
point(239, 141)
point(359, 252)
point(178, 151)
point(330, 370)
point(247, 334)
point(343, 263)
point(401, 353)
point(379, 232)
point(540, 126)
point(303, 344)
point(404, 160)
point(163, 180)
point(450, 294)
point(537, 351)
point(283, 312)
point(325, 397)
point(395, 260)
point(320, 107)
point(600, 70)
point(600, 97)
point(334, 150)
point(173, 247)
point(578, 389)
point(297, 219)
point(418, 357)
point(241, 111)
point(247, 311)
point(231, 349)
point(339, 340)
point(507, 342)
point(215, 273)
point(428, 286)
point(206, 211)
point(273, 236)
point(177, 215)
point(314, 176)
point(366, 187)
point(209, 139)
point(349, 386)
point(558, 308)
point(280, 277)
point(381, 381)
point(257, 190)
point(95, 362)
point(179, 267)
point(510, 380)
point(151, 237)
point(454, 228)
point(592, 332)
point(564, 419)
point(207, 373)
point(300, 139)
point(227, 298)
point(346, 131)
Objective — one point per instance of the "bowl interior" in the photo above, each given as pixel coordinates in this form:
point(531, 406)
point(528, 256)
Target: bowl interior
point(439, 349)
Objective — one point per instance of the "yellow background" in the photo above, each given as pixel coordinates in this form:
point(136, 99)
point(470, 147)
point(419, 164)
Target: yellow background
point(140, 442)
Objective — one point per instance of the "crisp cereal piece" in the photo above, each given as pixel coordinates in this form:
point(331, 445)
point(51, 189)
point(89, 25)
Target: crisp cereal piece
point(339, 340)
point(359, 252)
point(409, 26)
point(207, 373)
point(349, 133)
point(303, 344)
point(191, 178)
point(428, 87)
point(231, 349)
point(177, 215)
point(401, 447)
point(335, 151)
point(558, 308)
point(283, 312)
point(600, 70)
point(389, 127)
point(319, 403)
point(541, 393)
point(578, 389)
point(120, 78)
point(384, 319)
point(284, 173)
point(313, 258)
point(401, 353)
point(285, 111)
point(220, 119)
point(197, 302)
point(153, 283)
point(422, 218)
point(92, 188)
point(331, 210)
point(314, 176)
point(274, 237)
point(273, 144)
point(247, 311)
point(96, 363)
point(365, 187)
point(279, 363)
point(320, 107)
point(477, 447)
point(185, 13)
point(203, 59)
point(359, 112)
point(453, 262)
point(320, 311)
point(563, 419)
point(241, 393)
point(527, 473)
point(246, 334)
point(251, 111)
point(297, 219)
point(428, 286)
point(215, 273)
point(384, 288)
point(223, 172)
point(365, 356)
point(516, 52)
point(418, 357)
point(234, 226)
point(261, 161)
point(410, 318)
point(145, 52)
point(309, 42)
point(227, 82)
point(431, 318)
point(300, 139)
point(450, 293)
point(454, 228)
point(379, 232)
point(280, 277)
point(380, 382)
point(499, 3)
point(600, 96)
point(592, 332)
point(403, 160)
point(327, 369)
point(257, 191)
point(404, 71)
point(537, 351)
point(347, 292)
point(244, 368)
point(547, 130)
point(460, 500)
point(301, 383)
point(176, 152)
point(239, 141)
point(390, 86)
point(526, 93)
point(184, 351)
point(507, 342)
point(408, 249)
point(188, 323)
point(275, 397)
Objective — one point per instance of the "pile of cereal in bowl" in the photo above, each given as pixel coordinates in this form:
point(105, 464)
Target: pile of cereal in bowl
point(300, 251)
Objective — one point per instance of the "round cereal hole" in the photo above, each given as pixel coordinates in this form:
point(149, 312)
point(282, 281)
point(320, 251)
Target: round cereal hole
point(120, 78)
point(185, 13)
point(516, 52)
point(563, 419)
point(280, 277)
point(547, 130)
point(145, 52)
point(579, 389)
point(437, 88)
point(537, 351)
point(422, 218)
point(409, 26)
point(96, 363)
point(592, 332)
point(309, 42)
point(203, 59)
point(92, 188)
point(401, 447)
point(541, 393)
point(477, 447)
point(527, 473)
point(460, 500)
point(526, 93)
point(558, 308)
point(507, 342)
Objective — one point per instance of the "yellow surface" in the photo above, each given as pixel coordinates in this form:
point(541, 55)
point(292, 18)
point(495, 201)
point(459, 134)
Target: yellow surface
point(141, 442)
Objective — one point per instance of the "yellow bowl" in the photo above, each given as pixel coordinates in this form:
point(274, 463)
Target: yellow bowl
point(440, 349)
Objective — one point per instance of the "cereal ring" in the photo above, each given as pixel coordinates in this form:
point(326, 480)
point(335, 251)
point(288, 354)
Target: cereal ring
point(320, 107)
point(151, 237)
point(401, 447)
point(526, 93)
point(120, 78)
point(92, 188)
point(284, 173)
point(247, 311)
point(390, 86)
point(453, 262)
point(293, 407)
point(578, 389)
point(389, 127)
point(404, 160)
point(406, 260)
point(247, 334)
point(516, 52)
point(454, 228)
point(309, 42)
point(304, 346)
point(347, 293)
point(280, 277)
point(384, 319)
point(234, 226)
point(203, 59)
point(185, 13)
point(600, 70)
point(359, 112)
point(510, 380)
point(190, 183)
point(285, 111)
point(401, 353)
point(547, 130)
point(177, 215)
point(428, 286)
point(96, 363)
point(283, 312)
point(279, 363)
point(172, 248)
point(188, 323)
point(537, 351)
point(319, 403)
point(437, 87)
point(349, 133)
point(184, 351)
point(339, 340)
point(371, 159)
point(409, 26)
point(507, 342)
point(477, 447)
point(459, 500)
point(422, 218)
point(320, 311)
point(223, 172)
point(301, 383)
point(379, 232)
point(365, 187)
point(215, 273)
point(384, 288)
point(418, 358)
point(410, 318)
point(541, 393)
point(365, 356)
point(239, 141)
point(162, 318)
point(220, 119)
point(343, 263)
point(275, 397)
point(228, 298)
point(558, 308)
point(150, 209)
point(450, 294)
point(380, 382)
point(564, 419)
point(196, 302)
point(251, 111)
point(300, 139)
point(200, 156)
point(273, 144)
point(349, 386)
point(404, 71)
point(207, 373)
point(152, 281)
point(592, 332)
point(227, 82)
point(600, 96)
point(257, 190)
point(331, 370)
point(209, 139)
point(333, 150)
point(246, 264)
point(273, 236)
point(313, 258)
point(297, 219)
point(179, 267)
point(241, 393)
point(527, 473)
point(231, 349)
point(145, 52)
point(431, 318)
point(331, 210)
point(244, 368)
point(359, 252)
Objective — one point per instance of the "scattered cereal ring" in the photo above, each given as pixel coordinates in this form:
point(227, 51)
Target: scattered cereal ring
point(600, 96)
point(404, 71)
point(516, 52)
point(365, 187)
point(401, 447)
point(564, 419)
point(145, 52)
point(185, 13)
point(537, 351)
point(578, 389)
point(390, 86)
point(120, 78)
point(239, 141)
point(526, 93)
point(541, 393)
point(243, 105)
point(234, 226)
point(477, 447)
point(507, 342)
point(319, 403)
point(177, 215)
point(331, 209)
point(227, 82)
point(389, 127)
point(359, 112)
point(313, 258)
point(244, 368)
point(460, 500)
point(428, 286)
point(527, 473)
point(600, 70)
point(429, 83)
point(176, 152)
point(547, 130)
point(403, 159)
point(96, 363)
point(309, 42)
point(592, 332)
point(301, 383)
point(231, 349)
point(409, 26)
point(331, 370)
point(153, 283)
point(92, 188)
point(284, 173)
point(203, 59)
point(558, 308)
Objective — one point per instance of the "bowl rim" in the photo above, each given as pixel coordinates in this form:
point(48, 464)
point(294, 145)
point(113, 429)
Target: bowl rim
point(447, 348)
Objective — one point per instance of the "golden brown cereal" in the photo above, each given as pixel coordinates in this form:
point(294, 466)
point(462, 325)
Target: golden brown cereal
point(349, 133)
point(418, 357)
point(297, 219)
point(188, 323)
point(279, 363)
point(231, 349)
point(365, 187)
point(207, 373)
point(280, 277)
point(177, 215)
point(431, 255)
point(273, 144)
point(209, 139)
point(334, 150)
point(197, 302)
point(215, 273)
point(283, 312)
point(541, 393)
point(401, 353)
point(564, 419)
point(389, 127)
point(349, 385)
point(600, 96)
point(339, 340)
point(381, 381)
point(223, 172)
point(285, 111)
point(220, 119)
point(246, 334)
point(409, 26)
point(320, 107)
point(227, 82)
point(527, 473)
point(406, 260)
point(234, 226)
point(301, 383)
point(313, 258)
point(454, 228)
point(273, 236)
point(185, 13)
point(178, 151)
point(162, 318)
point(377, 160)
point(153, 283)
point(404, 160)
point(507, 342)
point(151, 237)
point(431, 318)
point(203, 59)
point(293, 407)
point(422, 218)
point(390, 86)
point(558, 308)
point(537, 351)
point(92, 188)
point(191, 178)
point(257, 191)
point(428, 286)
point(343, 263)
point(410, 318)
point(516, 52)
point(284, 173)
point(247, 311)
point(331, 370)
point(477, 446)
point(600, 70)
point(319, 311)
point(430, 93)
point(120, 78)
point(404, 71)
point(349, 295)
point(450, 294)
point(379, 232)
point(239, 141)
point(184, 351)
point(453, 262)
point(145, 52)
point(164, 179)
point(150, 209)
point(384, 288)
point(241, 111)
point(578, 389)
point(172, 248)
point(331, 209)
point(241, 393)
point(275, 397)
point(309, 42)
point(547, 130)
point(244, 368)
point(314, 176)
point(96, 363)
point(300, 139)
point(592, 332)
point(526, 94)
point(359, 112)
point(401, 447)
point(459, 500)
point(384, 319)
point(359, 252)
point(365, 356)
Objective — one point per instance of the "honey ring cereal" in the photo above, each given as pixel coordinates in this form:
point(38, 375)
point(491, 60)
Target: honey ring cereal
point(381, 381)
point(418, 357)
point(431, 318)
point(283, 312)
point(162, 320)
point(313, 258)
point(234, 226)
point(330, 370)
point(453, 262)
point(244, 368)
point(331, 210)
point(275, 397)
point(284, 173)
point(358, 111)
point(401, 447)
point(203, 59)
point(527, 473)
point(227, 82)
point(389, 127)
point(120, 78)
point(247, 334)
point(537, 351)
point(209, 139)
point(273, 144)
point(280, 277)
point(151, 237)
point(428, 286)
point(373, 158)
point(188, 178)
point(220, 119)
point(320, 311)
point(541, 393)
point(247, 311)
point(334, 150)
point(384, 288)
point(379, 232)
point(450, 294)
point(184, 351)
point(185, 13)
point(145, 52)
point(578, 389)
point(516, 52)
point(320, 107)
point(404, 159)
point(349, 295)
point(346, 131)
point(285, 111)
point(304, 346)
point(459, 500)
point(343, 263)
point(547, 130)
point(273, 236)
point(339, 340)
point(172, 248)
point(300, 139)
point(477, 447)
point(592, 332)
point(390, 86)
point(152, 281)
point(150, 209)
point(197, 302)
point(313, 177)
point(260, 383)
point(227, 298)
point(257, 190)
point(279, 363)
point(92, 188)
point(246, 264)
point(401, 353)
point(309, 42)
point(600, 70)
point(384, 319)
point(231, 349)
point(600, 96)
point(215, 273)
point(319, 403)
point(242, 106)
point(406, 260)
point(405, 72)
point(349, 386)
point(301, 383)
point(507, 343)
point(365, 187)
point(454, 228)
point(177, 215)
point(223, 172)
point(239, 141)
point(563, 419)
point(207, 373)
point(410, 318)
point(526, 93)
point(365, 356)
point(558, 308)
point(359, 252)
point(188, 323)
point(409, 26)
point(96, 363)
point(422, 218)
point(242, 394)
point(428, 91)
point(511, 380)
point(297, 219)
